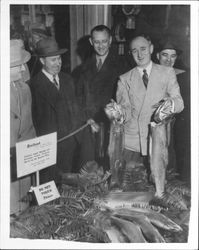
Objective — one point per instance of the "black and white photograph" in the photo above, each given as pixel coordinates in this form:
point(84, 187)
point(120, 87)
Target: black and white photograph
point(99, 124)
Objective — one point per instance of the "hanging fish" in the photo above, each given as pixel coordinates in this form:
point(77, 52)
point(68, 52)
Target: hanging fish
point(158, 156)
point(116, 142)
point(159, 140)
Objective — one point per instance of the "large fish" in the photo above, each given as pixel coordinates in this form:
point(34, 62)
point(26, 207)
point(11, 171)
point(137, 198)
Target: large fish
point(158, 219)
point(115, 235)
point(125, 199)
point(131, 231)
point(159, 141)
point(115, 152)
point(148, 230)
point(116, 142)
point(158, 155)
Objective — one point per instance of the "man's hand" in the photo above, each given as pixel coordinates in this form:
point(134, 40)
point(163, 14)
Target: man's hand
point(114, 112)
point(164, 110)
point(94, 126)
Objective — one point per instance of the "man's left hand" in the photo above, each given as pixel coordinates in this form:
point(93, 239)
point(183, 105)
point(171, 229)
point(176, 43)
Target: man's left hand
point(94, 126)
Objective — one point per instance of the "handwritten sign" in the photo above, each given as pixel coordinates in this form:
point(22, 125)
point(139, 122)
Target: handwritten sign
point(36, 154)
point(46, 192)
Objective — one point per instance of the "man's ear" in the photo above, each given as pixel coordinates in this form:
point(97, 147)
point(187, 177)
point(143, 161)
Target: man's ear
point(41, 60)
point(110, 39)
point(158, 56)
point(151, 48)
point(91, 42)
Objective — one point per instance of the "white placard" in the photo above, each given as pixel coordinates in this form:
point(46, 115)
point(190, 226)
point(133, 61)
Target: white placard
point(36, 154)
point(46, 192)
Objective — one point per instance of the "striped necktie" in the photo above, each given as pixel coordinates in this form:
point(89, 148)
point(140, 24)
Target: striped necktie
point(55, 82)
point(145, 78)
point(99, 65)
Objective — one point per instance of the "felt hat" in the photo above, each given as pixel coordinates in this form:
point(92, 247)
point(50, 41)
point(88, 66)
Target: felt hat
point(48, 47)
point(18, 55)
point(39, 29)
point(169, 44)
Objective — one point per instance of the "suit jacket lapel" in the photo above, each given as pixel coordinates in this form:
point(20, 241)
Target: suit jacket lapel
point(47, 90)
point(153, 86)
point(138, 88)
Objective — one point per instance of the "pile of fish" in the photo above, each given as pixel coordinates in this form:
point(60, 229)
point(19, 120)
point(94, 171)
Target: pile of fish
point(94, 211)
point(128, 217)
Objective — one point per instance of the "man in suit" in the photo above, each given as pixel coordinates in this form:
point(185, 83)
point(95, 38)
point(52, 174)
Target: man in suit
point(139, 90)
point(98, 79)
point(168, 53)
point(55, 109)
point(21, 125)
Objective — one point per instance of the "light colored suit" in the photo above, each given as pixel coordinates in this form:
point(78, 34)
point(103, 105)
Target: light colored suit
point(21, 128)
point(137, 102)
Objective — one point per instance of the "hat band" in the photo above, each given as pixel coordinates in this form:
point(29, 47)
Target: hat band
point(47, 50)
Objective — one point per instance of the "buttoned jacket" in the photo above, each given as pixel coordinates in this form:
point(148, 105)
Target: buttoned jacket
point(95, 88)
point(138, 102)
point(53, 109)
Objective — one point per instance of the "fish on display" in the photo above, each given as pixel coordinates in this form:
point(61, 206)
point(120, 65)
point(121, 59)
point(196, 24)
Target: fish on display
point(159, 139)
point(156, 218)
point(116, 142)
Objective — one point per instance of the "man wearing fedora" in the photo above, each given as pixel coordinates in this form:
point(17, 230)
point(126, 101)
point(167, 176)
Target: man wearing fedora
point(37, 32)
point(55, 109)
point(167, 55)
point(21, 125)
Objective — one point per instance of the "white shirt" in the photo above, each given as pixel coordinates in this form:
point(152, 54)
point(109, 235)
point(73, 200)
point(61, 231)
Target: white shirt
point(51, 77)
point(148, 69)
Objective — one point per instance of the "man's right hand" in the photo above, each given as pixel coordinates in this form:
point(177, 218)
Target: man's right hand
point(114, 111)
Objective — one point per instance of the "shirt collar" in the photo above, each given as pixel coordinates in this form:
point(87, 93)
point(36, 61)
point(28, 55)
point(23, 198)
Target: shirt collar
point(148, 69)
point(49, 76)
point(101, 57)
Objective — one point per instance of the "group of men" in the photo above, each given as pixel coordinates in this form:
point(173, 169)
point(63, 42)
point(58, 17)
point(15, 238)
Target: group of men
point(60, 105)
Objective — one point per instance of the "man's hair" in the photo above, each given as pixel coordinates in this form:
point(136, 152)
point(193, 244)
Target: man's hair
point(147, 37)
point(101, 28)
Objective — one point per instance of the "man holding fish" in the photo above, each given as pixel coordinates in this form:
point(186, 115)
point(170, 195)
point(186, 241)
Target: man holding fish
point(139, 93)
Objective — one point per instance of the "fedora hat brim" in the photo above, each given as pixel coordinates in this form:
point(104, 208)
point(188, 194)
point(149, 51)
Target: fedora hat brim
point(178, 51)
point(25, 57)
point(53, 53)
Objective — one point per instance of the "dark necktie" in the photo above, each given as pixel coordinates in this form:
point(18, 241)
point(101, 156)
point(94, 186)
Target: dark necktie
point(145, 78)
point(99, 65)
point(55, 82)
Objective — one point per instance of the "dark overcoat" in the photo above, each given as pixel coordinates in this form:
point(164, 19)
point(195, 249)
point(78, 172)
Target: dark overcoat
point(56, 110)
point(96, 88)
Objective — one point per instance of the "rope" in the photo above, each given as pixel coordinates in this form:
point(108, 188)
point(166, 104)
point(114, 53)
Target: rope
point(74, 132)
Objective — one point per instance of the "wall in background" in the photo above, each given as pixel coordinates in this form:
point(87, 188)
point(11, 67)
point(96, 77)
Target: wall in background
point(71, 25)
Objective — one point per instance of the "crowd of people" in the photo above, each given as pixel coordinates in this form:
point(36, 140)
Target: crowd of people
point(44, 100)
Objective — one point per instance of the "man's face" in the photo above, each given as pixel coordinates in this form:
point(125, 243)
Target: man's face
point(16, 72)
point(141, 50)
point(52, 64)
point(167, 57)
point(101, 42)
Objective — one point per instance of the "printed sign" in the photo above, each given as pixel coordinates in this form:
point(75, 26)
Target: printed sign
point(36, 154)
point(46, 192)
